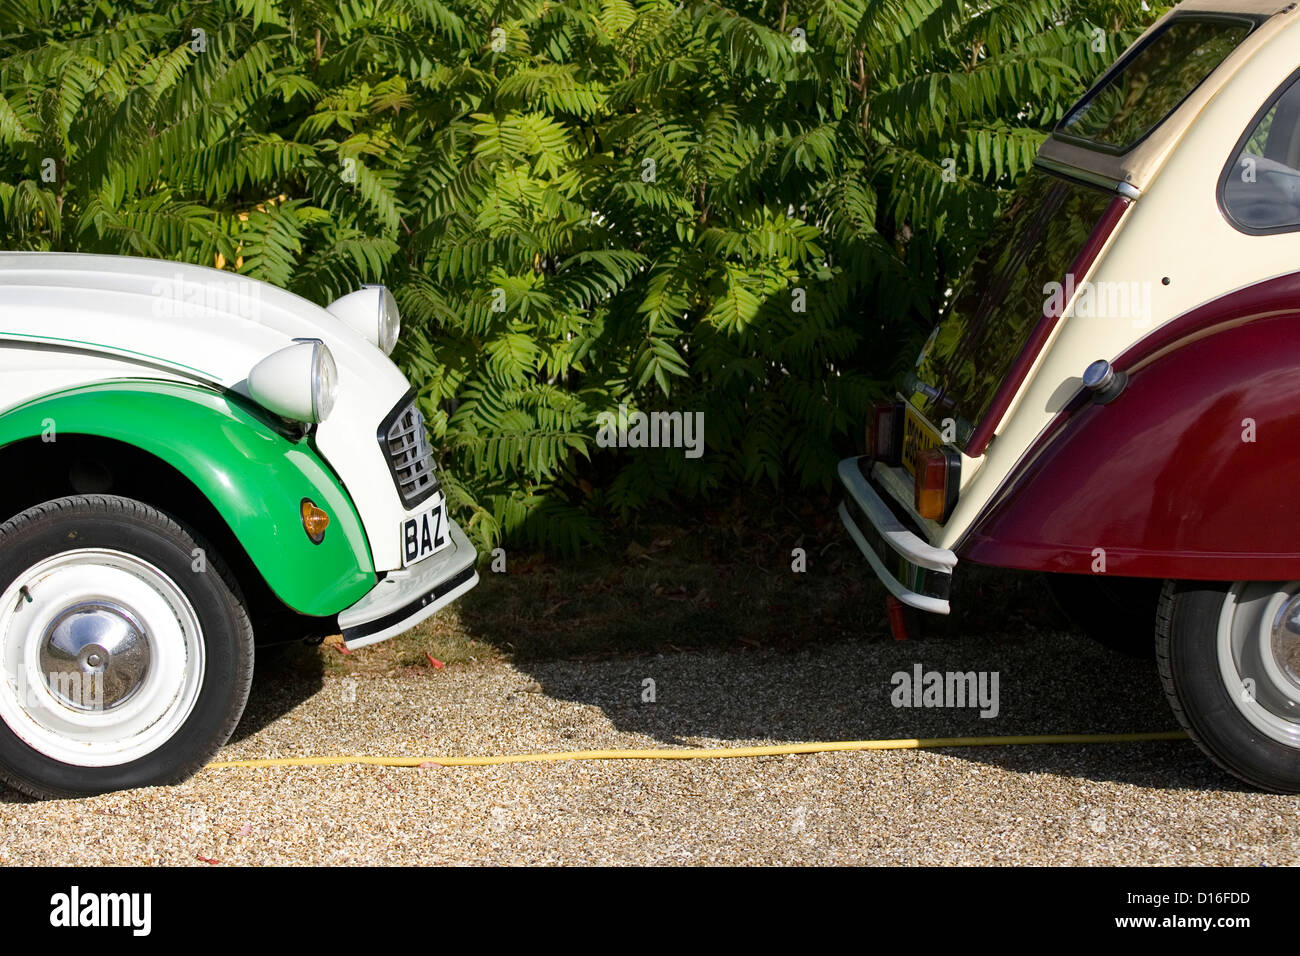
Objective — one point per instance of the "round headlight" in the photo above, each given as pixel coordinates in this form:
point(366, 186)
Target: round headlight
point(371, 311)
point(299, 382)
point(324, 382)
point(390, 322)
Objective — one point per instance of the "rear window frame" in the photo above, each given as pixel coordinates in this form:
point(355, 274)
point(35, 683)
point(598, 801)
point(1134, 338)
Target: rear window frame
point(1221, 191)
point(1252, 21)
point(1077, 187)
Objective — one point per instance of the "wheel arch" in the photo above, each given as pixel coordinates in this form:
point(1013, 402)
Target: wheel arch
point(207, 459)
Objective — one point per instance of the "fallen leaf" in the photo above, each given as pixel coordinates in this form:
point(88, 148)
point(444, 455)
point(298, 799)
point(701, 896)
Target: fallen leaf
point(437, 664)
point(206, 860)
point(429, 763)
point(245, 830)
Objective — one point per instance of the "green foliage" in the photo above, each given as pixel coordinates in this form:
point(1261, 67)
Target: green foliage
point(750, 209)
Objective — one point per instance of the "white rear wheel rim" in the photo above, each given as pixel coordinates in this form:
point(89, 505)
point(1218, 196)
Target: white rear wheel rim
point(157, 673)
point(1263, 690)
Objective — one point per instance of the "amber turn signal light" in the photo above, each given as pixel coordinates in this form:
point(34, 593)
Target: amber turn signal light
point(938, 479)
point(314, 521)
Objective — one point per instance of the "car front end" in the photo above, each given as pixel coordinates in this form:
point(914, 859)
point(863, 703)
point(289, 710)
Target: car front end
point(319, 379)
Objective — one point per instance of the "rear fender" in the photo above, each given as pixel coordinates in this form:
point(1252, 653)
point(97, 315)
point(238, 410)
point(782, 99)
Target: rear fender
point(1192, 472)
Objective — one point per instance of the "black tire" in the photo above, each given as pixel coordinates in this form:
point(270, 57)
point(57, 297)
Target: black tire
point(1186, 644)
point(124, 525)
point(1119, 613)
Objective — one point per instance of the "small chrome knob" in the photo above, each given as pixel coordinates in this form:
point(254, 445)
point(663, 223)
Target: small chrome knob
point(1098, 375)
point(1103, 381)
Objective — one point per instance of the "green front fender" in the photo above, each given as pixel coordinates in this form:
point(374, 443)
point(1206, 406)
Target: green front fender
point(254, 477)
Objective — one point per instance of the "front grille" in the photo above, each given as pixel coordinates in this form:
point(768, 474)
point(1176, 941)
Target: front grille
point(405, 442)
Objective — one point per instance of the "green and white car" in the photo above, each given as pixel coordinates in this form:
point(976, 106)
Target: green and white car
point(185, 453)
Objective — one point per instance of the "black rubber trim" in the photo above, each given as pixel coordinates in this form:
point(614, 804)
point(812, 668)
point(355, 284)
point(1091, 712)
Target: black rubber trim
point(952, 487)
point(388, 620)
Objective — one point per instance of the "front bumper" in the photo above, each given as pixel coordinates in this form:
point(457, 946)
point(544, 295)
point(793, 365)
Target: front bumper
point(405, 598)
point(915, 572)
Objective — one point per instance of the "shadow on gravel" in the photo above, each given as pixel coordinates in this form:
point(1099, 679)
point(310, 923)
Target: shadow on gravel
point(1050, 680)
point(284, 676)
point(1058, 683)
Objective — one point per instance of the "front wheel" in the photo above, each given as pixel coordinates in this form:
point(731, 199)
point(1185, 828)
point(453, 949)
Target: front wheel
point(125, 650)
point(1229, 658)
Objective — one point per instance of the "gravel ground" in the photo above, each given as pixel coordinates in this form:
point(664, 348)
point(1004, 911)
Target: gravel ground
point(1156, 803)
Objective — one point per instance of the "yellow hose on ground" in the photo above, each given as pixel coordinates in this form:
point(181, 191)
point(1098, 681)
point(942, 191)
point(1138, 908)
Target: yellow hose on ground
point(706, 753)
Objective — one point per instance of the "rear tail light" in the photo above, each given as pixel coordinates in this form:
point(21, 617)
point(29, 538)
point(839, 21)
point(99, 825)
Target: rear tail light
point(885, 432)
point(938, 480)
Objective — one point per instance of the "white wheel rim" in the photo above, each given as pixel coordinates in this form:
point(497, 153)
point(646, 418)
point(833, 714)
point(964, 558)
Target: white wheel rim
point(1248, 636)
point(69, 716)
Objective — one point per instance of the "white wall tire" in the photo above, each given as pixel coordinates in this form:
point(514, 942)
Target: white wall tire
point(124, 662)
point(1229, 658)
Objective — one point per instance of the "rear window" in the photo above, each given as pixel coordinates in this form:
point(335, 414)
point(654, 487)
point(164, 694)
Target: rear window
point(1001, 298)
point(1152, 81)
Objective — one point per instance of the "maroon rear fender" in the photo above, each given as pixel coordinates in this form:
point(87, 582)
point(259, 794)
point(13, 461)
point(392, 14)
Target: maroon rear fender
point(1192, 472)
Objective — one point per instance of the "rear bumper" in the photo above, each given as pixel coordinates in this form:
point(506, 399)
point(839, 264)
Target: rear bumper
point(915, 572)
point(405, 598)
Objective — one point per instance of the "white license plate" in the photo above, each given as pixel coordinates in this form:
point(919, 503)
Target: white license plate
point(426, 533)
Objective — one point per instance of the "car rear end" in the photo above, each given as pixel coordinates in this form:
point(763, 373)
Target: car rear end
point(989, 382)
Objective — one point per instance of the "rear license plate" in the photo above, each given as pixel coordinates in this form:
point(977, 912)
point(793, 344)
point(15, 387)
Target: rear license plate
point(426, 533)
point(918, 437)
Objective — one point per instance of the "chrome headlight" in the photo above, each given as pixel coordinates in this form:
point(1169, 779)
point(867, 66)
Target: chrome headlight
point(299, 382)
point(371, 311)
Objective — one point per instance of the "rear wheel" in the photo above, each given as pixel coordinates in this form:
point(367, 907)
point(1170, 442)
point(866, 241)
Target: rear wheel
point(1229, 657)
point(125, 650)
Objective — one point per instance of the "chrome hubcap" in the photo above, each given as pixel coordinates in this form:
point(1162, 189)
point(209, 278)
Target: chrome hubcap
point(94, 656)
point(1286, 641)
point(102, 657)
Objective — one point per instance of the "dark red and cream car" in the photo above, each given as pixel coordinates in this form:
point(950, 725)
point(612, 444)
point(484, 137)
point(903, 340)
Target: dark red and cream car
point(1114, 395)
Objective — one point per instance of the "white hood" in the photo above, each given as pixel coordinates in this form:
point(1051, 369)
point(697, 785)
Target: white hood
point(201, 323)
point(111, 316)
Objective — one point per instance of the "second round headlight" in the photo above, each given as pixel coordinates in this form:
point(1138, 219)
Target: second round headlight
point(299, 382)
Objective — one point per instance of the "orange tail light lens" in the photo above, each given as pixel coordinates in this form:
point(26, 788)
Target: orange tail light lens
point(938, 479)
